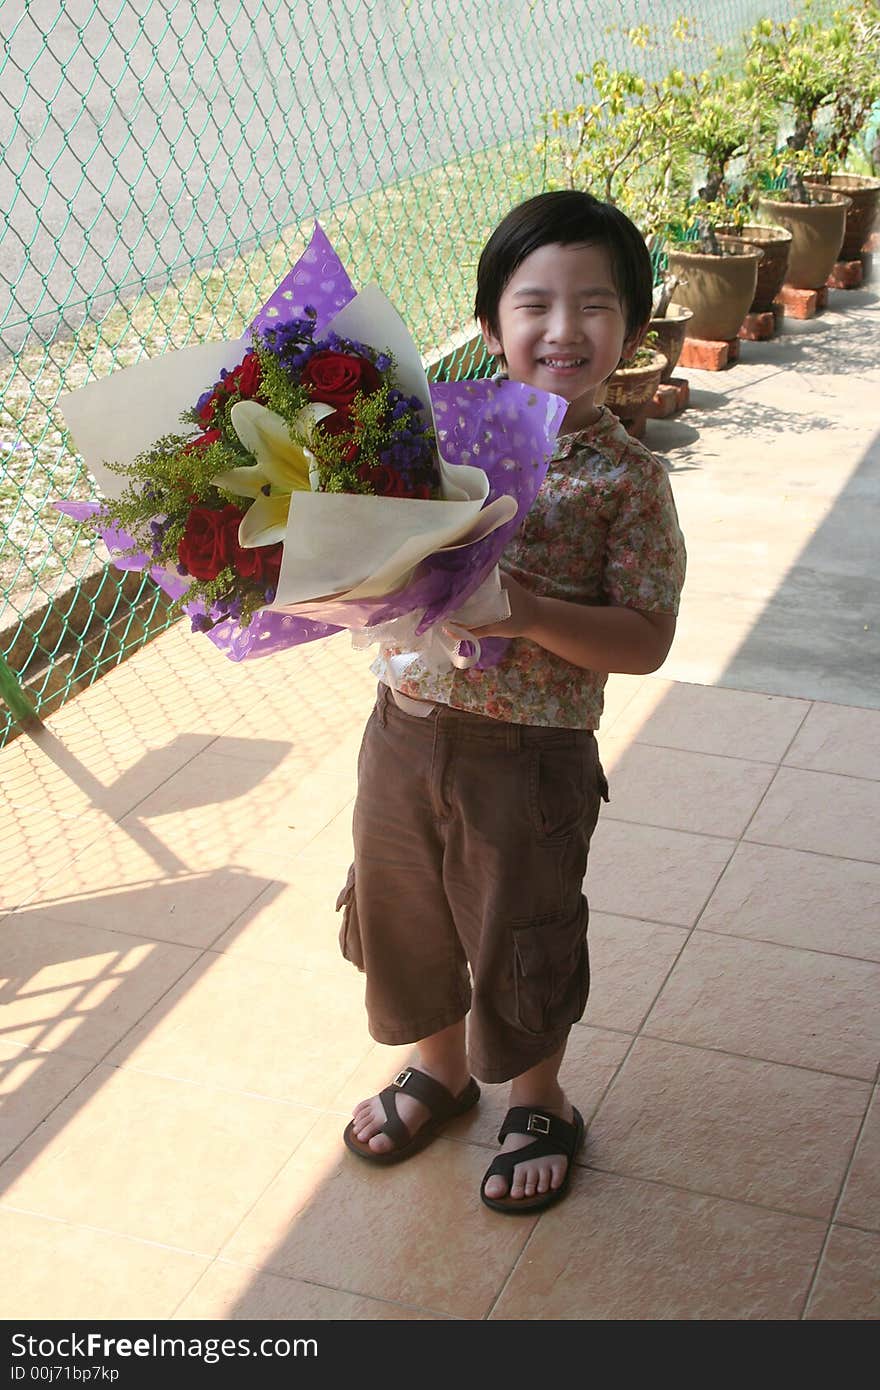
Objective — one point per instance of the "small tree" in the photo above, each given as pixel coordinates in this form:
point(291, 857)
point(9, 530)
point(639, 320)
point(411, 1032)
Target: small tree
point(624, 139)
point(858, 86)
point(724, 119)
point(797, 66)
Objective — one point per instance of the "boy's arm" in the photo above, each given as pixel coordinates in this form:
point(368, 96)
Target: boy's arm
point(596, 637)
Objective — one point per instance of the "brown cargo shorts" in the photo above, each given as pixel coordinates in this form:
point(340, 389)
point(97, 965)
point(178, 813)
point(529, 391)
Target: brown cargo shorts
point(465, 896)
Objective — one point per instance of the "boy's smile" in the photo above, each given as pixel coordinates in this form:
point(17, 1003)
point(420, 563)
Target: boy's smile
point(561, 325)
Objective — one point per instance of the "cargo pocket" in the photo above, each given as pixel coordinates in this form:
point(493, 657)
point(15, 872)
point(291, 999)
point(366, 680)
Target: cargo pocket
point(349, 932)
point(551, 973)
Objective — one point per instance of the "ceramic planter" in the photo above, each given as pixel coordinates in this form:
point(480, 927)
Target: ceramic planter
point(717, 289)
point(670, 332)
point(630, 389)
point(861, 217)
point(775, 242)
point(816, 230)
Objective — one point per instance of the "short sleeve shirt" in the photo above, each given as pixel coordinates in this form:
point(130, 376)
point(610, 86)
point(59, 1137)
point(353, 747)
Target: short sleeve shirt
point(602, 530)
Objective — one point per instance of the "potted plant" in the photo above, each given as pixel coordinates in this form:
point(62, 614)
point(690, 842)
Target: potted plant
point(797, 67)
point(856, 95)
point(628, 139)
point(728, 119)
point(717, 278)
point(630, 389)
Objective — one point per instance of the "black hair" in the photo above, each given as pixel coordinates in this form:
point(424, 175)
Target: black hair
point(566, 217)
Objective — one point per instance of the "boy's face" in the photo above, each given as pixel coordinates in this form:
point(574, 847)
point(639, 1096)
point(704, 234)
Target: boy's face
point(562, 327)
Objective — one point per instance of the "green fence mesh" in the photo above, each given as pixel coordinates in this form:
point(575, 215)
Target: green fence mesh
point(161, 164)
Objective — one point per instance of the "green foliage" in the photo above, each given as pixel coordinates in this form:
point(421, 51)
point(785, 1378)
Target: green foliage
point(681, 154)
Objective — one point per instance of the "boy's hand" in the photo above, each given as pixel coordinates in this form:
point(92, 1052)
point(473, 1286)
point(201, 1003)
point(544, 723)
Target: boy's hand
point(523, 609)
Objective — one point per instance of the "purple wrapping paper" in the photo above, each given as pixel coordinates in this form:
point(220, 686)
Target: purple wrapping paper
point(506, 428)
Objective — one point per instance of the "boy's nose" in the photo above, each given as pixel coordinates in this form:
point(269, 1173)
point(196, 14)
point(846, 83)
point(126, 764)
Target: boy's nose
point(564, 326)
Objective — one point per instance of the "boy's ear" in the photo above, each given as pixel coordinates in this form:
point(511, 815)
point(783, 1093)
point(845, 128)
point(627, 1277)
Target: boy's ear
point(492, 343)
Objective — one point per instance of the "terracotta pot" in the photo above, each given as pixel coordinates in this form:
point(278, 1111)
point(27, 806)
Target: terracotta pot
point(629, 389)
point(775, 242)
point(670, 335)
point(718, 289)
point(861, 217)
point(817, 234)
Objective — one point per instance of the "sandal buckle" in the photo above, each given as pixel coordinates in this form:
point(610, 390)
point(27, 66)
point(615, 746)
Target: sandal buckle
point(538, 1124)
point(401, 1078)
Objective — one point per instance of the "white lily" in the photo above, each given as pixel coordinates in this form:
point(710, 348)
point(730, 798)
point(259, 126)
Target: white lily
point(283, 466)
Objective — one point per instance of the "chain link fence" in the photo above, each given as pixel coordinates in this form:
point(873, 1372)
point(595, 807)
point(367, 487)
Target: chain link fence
point(161, 164)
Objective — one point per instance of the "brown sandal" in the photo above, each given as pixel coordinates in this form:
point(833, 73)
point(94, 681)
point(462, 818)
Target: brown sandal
point(554, 1136)
point(443, 1105)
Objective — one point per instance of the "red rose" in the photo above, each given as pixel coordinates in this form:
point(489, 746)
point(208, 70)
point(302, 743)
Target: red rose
point(210, 543)
point(334, 378)
point(245, 378)
point(244, 381)
point(340, 423)
point(203, 548)
point(203, 441)
point(384, 481)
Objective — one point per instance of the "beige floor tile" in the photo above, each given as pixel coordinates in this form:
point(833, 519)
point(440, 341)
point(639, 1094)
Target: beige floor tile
point(78, 989)
point(288, 926)
point(753, 1131)
point(296, 922)
point(223, 808)
point(798, 899)
point(621, 1249)
point(774, 1002)
point(66, 779)
point(681, 790)
point(620, 689)
point(628, 963)
point(134, 883)
point(153, 1158)
point(332, 1218)
point(31, 1085)
point(255, 1026)
point(655, 874)
point(834, 738)
point(75, 1273)
point(861, 1196)
point(708, 719)
point(820, 811)
point(847, 1288)
point(234, 1293)
point(591, 1061)
point(36, 847)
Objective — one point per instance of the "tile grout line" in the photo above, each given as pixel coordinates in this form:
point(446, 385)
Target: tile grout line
point(836, 1208)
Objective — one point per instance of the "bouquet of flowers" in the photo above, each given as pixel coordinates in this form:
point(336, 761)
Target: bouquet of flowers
point(317, 483)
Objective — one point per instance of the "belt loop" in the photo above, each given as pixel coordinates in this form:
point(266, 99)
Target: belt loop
point(514, 737)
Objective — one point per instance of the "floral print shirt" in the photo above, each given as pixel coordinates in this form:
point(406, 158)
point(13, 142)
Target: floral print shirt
point(602, 530)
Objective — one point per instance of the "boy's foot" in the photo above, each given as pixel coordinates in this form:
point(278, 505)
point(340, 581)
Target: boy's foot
point(552, 1135)
point(406, 1116)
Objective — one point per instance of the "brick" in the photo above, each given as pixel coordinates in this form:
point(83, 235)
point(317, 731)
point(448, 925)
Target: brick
point(664, 402)
point(707, 354)
point(799, 304)
point(846, 275)
point(682, 387)
point(756, 328)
